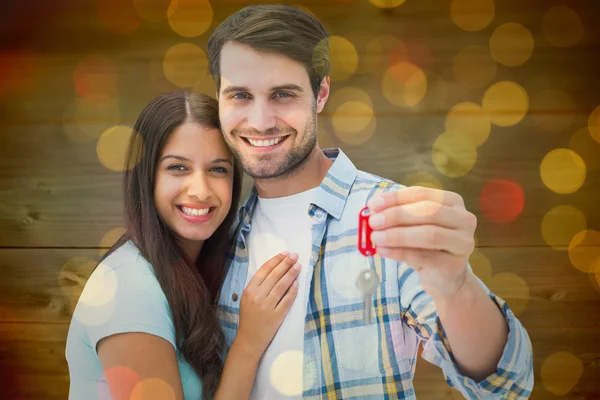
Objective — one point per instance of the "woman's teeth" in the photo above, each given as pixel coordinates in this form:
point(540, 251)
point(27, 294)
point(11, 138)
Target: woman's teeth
point(265, 143)
point(194, 212)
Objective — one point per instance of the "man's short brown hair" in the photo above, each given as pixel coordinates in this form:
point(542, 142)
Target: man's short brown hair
point(279, 29)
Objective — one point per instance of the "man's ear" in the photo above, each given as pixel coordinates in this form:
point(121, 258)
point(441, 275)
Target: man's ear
point(323, 94)
point(217, 95)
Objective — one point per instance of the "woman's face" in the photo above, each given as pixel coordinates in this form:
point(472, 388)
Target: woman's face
point(194, 183)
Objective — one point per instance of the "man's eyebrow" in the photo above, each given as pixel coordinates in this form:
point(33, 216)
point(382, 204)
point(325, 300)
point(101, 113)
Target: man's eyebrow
point(289, 86)
point(231, 89)
point(180, 158)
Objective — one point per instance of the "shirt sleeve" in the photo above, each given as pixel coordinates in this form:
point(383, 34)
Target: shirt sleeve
point(124, 298)
point(514, 372)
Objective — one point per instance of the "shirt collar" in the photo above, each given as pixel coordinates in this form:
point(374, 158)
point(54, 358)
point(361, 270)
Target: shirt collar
point(332, 193)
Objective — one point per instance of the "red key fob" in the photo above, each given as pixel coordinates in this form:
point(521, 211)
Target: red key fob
point(365, 246)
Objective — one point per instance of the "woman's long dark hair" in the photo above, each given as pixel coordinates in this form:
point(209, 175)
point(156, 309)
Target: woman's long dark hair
point(190, 288)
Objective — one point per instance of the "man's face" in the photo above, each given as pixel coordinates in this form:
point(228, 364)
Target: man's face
point(267, 110)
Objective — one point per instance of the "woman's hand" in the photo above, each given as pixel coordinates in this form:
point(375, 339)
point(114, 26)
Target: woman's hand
point(265, 302)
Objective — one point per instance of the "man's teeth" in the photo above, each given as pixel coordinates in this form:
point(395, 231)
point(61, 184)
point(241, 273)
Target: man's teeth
point(195, 211)
point(265, 143)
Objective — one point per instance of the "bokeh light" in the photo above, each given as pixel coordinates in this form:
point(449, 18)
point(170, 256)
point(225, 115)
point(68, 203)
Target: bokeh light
point(73, 275)
point(286, 373)
point(417, 53)
point(506, 103)
point(353, 122)
point(422, 179)
point(561, 224)
point(110, 238)
point(584, 250)
point(511, 288)
point(511, 44)
point(185, 65)
point(190, 18)
point(502, 201)
point(594, 124)
point(472, 15)
point(96, 78)
point(100, 290)
point(380, 50)
point(586, 147)
point(120, 382)
point(118, 16)
point(562, 27)
point(555, 110)
point(454, 154)
point(474, 67)
point(152, 10)
point(386, 3)
point(470, 119)
point(561, 372)
point(563, 171)
point(84, 120)
point(112, 147)
point(481, 266)
point(343, 58)
point(404, 84)
point(153, 389)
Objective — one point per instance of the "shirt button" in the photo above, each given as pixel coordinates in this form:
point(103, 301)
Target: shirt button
point(234, 297)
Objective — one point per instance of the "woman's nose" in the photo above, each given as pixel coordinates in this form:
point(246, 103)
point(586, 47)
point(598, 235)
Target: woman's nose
point(199, 187)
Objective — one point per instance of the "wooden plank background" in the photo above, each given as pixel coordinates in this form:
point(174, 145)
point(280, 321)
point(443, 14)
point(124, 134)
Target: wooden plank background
point(57, 201)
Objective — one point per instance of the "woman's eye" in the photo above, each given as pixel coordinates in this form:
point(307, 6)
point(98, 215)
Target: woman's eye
point(176, 167)
point(221, 170)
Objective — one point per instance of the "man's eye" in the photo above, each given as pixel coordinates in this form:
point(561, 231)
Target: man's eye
point(240, 96)
point(283, 95)
point(176, 167)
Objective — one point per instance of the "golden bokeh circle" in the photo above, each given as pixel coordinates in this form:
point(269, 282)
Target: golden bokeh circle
point(511, 288)
point(353, 122)
point(185, 65)
point(583, 144)
point(386, 3)
point(555, 110)
point(73, 275)
point(454, 154)
point(470, 119)
point(506, 103)
point(404, 84)
point(563, 171)
point(474, 67)
point(348, 93)
point(152, 389)
point(481, 266)
point(343, 58)
point(561, 224)
point(562, 27)
point(152, 10)
point(511, 44)
point(584, 250)
point(561, 372)
point(422, 179)
point(112, 147)
point(190, 18)
point(594, 124)
point(286, 373)
point(380, 50)
point(472, 15)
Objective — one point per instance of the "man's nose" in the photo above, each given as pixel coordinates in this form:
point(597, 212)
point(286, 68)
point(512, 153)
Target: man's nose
point(262, 116)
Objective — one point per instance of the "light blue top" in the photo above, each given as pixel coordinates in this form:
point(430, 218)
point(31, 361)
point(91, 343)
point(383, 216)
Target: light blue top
point(121, 295)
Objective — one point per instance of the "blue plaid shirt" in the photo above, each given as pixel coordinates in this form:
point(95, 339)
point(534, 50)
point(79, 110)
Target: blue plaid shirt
point(345, 358)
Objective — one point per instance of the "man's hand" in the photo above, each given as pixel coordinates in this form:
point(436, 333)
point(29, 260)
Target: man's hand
point(428, 229)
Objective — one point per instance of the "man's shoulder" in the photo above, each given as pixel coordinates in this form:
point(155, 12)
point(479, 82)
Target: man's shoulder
point(368, 182)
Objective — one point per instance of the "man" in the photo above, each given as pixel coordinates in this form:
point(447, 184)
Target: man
point(271, 64)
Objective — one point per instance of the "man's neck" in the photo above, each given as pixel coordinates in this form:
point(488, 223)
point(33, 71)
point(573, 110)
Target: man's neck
point(309, 176)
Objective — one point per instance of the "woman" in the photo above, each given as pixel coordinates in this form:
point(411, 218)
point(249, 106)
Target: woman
point(145, 326)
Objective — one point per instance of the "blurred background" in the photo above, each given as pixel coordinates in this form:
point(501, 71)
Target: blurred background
point(494, 99)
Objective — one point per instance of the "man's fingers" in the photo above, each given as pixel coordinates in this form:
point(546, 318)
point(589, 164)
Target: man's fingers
point(421, 213)
point(427, 237)
point(414, 194)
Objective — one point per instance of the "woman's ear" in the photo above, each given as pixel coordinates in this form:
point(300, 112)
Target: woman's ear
point(323, 94)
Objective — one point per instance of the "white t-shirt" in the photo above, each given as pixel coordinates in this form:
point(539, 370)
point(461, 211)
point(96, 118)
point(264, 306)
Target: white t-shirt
point(283, 224)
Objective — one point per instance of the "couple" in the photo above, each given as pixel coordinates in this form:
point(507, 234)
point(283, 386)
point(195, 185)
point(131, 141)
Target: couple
point(201, 300)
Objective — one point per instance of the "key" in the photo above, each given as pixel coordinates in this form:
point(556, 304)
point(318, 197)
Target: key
point(367, 282)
